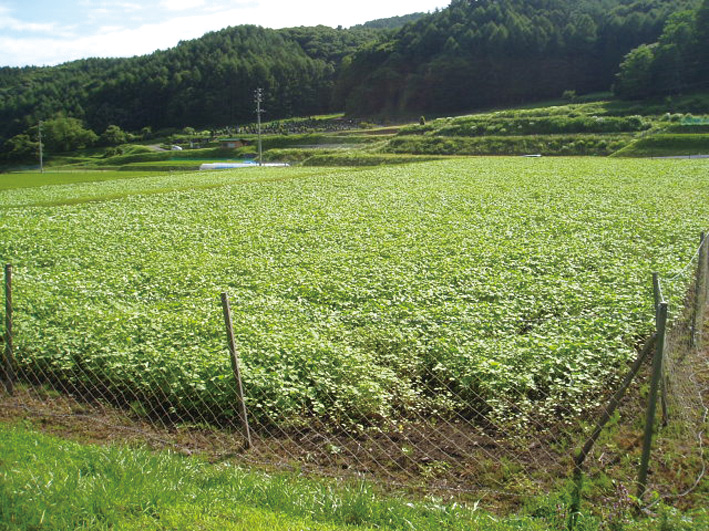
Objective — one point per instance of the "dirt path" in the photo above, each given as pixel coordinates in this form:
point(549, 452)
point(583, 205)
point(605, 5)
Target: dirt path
point(156, 147)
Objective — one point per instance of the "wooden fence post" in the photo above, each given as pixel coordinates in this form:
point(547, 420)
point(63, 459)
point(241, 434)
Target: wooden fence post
point(235, 369)
point(657, 289)
point(697, 309)
point(652, 398)
point(608, 412)
point(663, 377)
point(8, 355)
point(706, 273)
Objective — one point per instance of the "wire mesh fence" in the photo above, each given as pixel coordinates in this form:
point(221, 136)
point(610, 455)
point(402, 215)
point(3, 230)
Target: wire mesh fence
point(682, 435)
point(427, 421)
point(663, 434)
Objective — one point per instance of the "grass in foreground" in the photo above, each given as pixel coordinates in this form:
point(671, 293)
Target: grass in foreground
point(49, 483)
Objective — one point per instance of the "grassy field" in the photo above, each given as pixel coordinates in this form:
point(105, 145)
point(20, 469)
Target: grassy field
point(667, 145)
point(512, 287)
point(65, 188)
point(35, 179)
point(49, 483)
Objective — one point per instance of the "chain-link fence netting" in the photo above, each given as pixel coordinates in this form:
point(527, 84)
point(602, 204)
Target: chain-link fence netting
point(405, 399)
point(675, 445)
point(682, 434)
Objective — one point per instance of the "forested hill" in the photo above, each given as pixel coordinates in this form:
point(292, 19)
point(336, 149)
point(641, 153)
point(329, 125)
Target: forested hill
point(472, 54)
point(480, 53)
point(392, 22)
point(206, 81)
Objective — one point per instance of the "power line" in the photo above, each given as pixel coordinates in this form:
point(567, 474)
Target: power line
point(41, 156)
point(259, 99)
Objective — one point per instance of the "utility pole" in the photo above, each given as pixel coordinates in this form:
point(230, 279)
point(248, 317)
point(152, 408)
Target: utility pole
point(259, 100)
point(41, 161)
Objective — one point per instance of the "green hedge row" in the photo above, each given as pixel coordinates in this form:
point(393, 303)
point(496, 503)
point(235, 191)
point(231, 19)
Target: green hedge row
point(363, 159)
point(509, 145)
point(492, 125)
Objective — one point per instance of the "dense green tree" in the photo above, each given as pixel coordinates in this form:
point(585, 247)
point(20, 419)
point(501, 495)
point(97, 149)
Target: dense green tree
point(672, 62)
point(635, 78)
point(471, 54)
point(701, 43)
point(389, 23)
point(679, 60)
point(207, 81)
point(21, 148)
point(64, 134)
point(113, 136)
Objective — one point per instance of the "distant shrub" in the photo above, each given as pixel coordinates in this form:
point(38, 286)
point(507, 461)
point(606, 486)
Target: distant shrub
point(417, 129)
point(307, 140)
point(293, 155)
point(247, 151)
point(131, 158)
point(114, 136)
point(159, 167)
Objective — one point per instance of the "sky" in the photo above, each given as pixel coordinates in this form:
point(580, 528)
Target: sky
point(50, 32)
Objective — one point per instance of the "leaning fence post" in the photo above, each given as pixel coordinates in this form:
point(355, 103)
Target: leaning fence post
point(652, 398)
point(8, 355)
point(235, 368)
point(608, 412)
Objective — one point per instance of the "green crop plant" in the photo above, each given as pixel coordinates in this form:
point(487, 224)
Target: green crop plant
point(513, 288)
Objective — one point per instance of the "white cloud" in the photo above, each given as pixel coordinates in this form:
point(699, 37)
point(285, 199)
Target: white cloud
point(181, 5)
point(107, 39)
point(9, 22)
point(21, 52)
point(130, 7)
point(97, 13)
point(110, 29)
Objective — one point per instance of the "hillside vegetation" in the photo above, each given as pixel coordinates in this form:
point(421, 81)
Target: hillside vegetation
point(493, 53)
point(470, 55)
point(597, 128)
